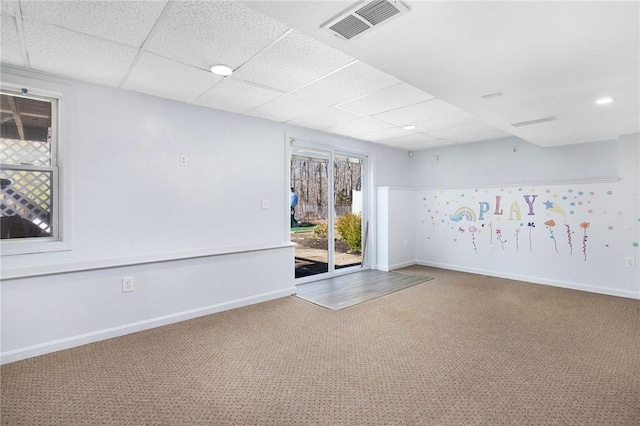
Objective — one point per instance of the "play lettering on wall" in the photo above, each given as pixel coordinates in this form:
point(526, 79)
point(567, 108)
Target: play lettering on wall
point(566, 220)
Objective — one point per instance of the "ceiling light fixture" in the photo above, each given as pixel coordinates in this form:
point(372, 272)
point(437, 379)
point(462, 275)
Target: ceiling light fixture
point(221, 69)
point(492, 95)
point(604, 101)
point(409, 127)
point(536, 121)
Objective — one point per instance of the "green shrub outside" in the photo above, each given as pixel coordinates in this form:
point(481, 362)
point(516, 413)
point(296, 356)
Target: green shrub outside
point(350, 228)
point(321, 230)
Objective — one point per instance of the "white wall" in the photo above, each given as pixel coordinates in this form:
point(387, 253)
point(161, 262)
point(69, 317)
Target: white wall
point(396, 228)
point(194, 238)
point(604, 194)
point(53, 312)
point(493, 163)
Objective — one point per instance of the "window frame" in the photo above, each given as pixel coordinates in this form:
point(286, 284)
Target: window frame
point(51, 91)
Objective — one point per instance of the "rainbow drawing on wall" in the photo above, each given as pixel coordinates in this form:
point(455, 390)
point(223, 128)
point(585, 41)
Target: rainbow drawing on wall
point(463, 213)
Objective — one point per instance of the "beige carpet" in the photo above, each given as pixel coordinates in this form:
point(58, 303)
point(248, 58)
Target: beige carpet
point(460, 349)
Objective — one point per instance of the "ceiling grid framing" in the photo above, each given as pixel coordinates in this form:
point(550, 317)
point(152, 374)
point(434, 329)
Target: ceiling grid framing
point(386, 64)
point(143, 48)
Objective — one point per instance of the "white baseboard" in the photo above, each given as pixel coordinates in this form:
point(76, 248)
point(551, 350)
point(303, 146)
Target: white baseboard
point(535, 280)
point(96, 336)
point(387, 268)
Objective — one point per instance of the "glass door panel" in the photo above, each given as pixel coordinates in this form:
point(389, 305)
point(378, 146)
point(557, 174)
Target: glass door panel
point(348, 206)
point(310, 184)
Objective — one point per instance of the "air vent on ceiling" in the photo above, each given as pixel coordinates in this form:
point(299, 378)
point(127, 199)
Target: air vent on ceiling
point(363, 16)
point(537, 121)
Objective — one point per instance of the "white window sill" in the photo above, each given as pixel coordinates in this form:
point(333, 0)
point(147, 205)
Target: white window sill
point(32, 246)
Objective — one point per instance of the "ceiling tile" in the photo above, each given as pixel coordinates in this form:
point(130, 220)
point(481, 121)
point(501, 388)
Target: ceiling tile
point(446, 122)
point(483, 136)
point(158, 76)
point(416, 138)
point(203, 33)
point(235, 96)
point(325, 118)
point(71, 54)
point(292, 62)
point(302, 12)
point(353, 81)
point(384, 134)
point(387, 99)
point(11, 53)
point(7, 7)
point(285, 108)
point(354, 128)
point(416, 113)
point(127, 22)
point(465, 132)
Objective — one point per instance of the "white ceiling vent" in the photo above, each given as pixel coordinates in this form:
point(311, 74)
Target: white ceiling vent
point(363, 16)
point(536, 121)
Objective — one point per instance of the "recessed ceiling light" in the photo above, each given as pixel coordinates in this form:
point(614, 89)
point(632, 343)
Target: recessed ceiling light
point(221, 69)
point(604, 101)
point(409, 127)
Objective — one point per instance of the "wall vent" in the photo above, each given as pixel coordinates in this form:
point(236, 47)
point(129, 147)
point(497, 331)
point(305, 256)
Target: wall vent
point(362, 17)
point(537, 121)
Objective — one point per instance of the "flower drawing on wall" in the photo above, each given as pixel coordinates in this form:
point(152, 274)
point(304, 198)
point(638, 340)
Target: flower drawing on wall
point(584, 225)
point(550, 224)
point(531, 225)
point(517, 235)
point(473, 230)
point(569, 232)
point(500, 238)
point(490, 233)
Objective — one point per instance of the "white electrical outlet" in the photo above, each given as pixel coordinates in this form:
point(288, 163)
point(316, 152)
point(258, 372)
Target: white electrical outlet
point(630, 262)
point(127, 284)
point(183, 160)
point(266, 204)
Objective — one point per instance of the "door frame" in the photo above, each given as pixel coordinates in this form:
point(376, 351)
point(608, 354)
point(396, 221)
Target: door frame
point(366, 206)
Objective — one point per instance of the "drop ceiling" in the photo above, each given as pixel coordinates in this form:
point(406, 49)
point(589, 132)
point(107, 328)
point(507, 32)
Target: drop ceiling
point(432, 67)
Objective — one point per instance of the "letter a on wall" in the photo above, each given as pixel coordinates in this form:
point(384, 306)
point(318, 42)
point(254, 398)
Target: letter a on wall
point(515, 210)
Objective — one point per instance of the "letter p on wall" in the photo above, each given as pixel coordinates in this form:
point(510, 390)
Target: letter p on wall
point(482, 209)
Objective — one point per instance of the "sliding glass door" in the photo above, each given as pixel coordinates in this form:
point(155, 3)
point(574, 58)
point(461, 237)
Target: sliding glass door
point(309, 210)
point(348, 207)
point(328, 217)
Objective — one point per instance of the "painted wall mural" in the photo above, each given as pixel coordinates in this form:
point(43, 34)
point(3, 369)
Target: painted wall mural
point(567, 220)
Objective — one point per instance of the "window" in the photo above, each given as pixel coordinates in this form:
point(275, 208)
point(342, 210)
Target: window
point(29, 175)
